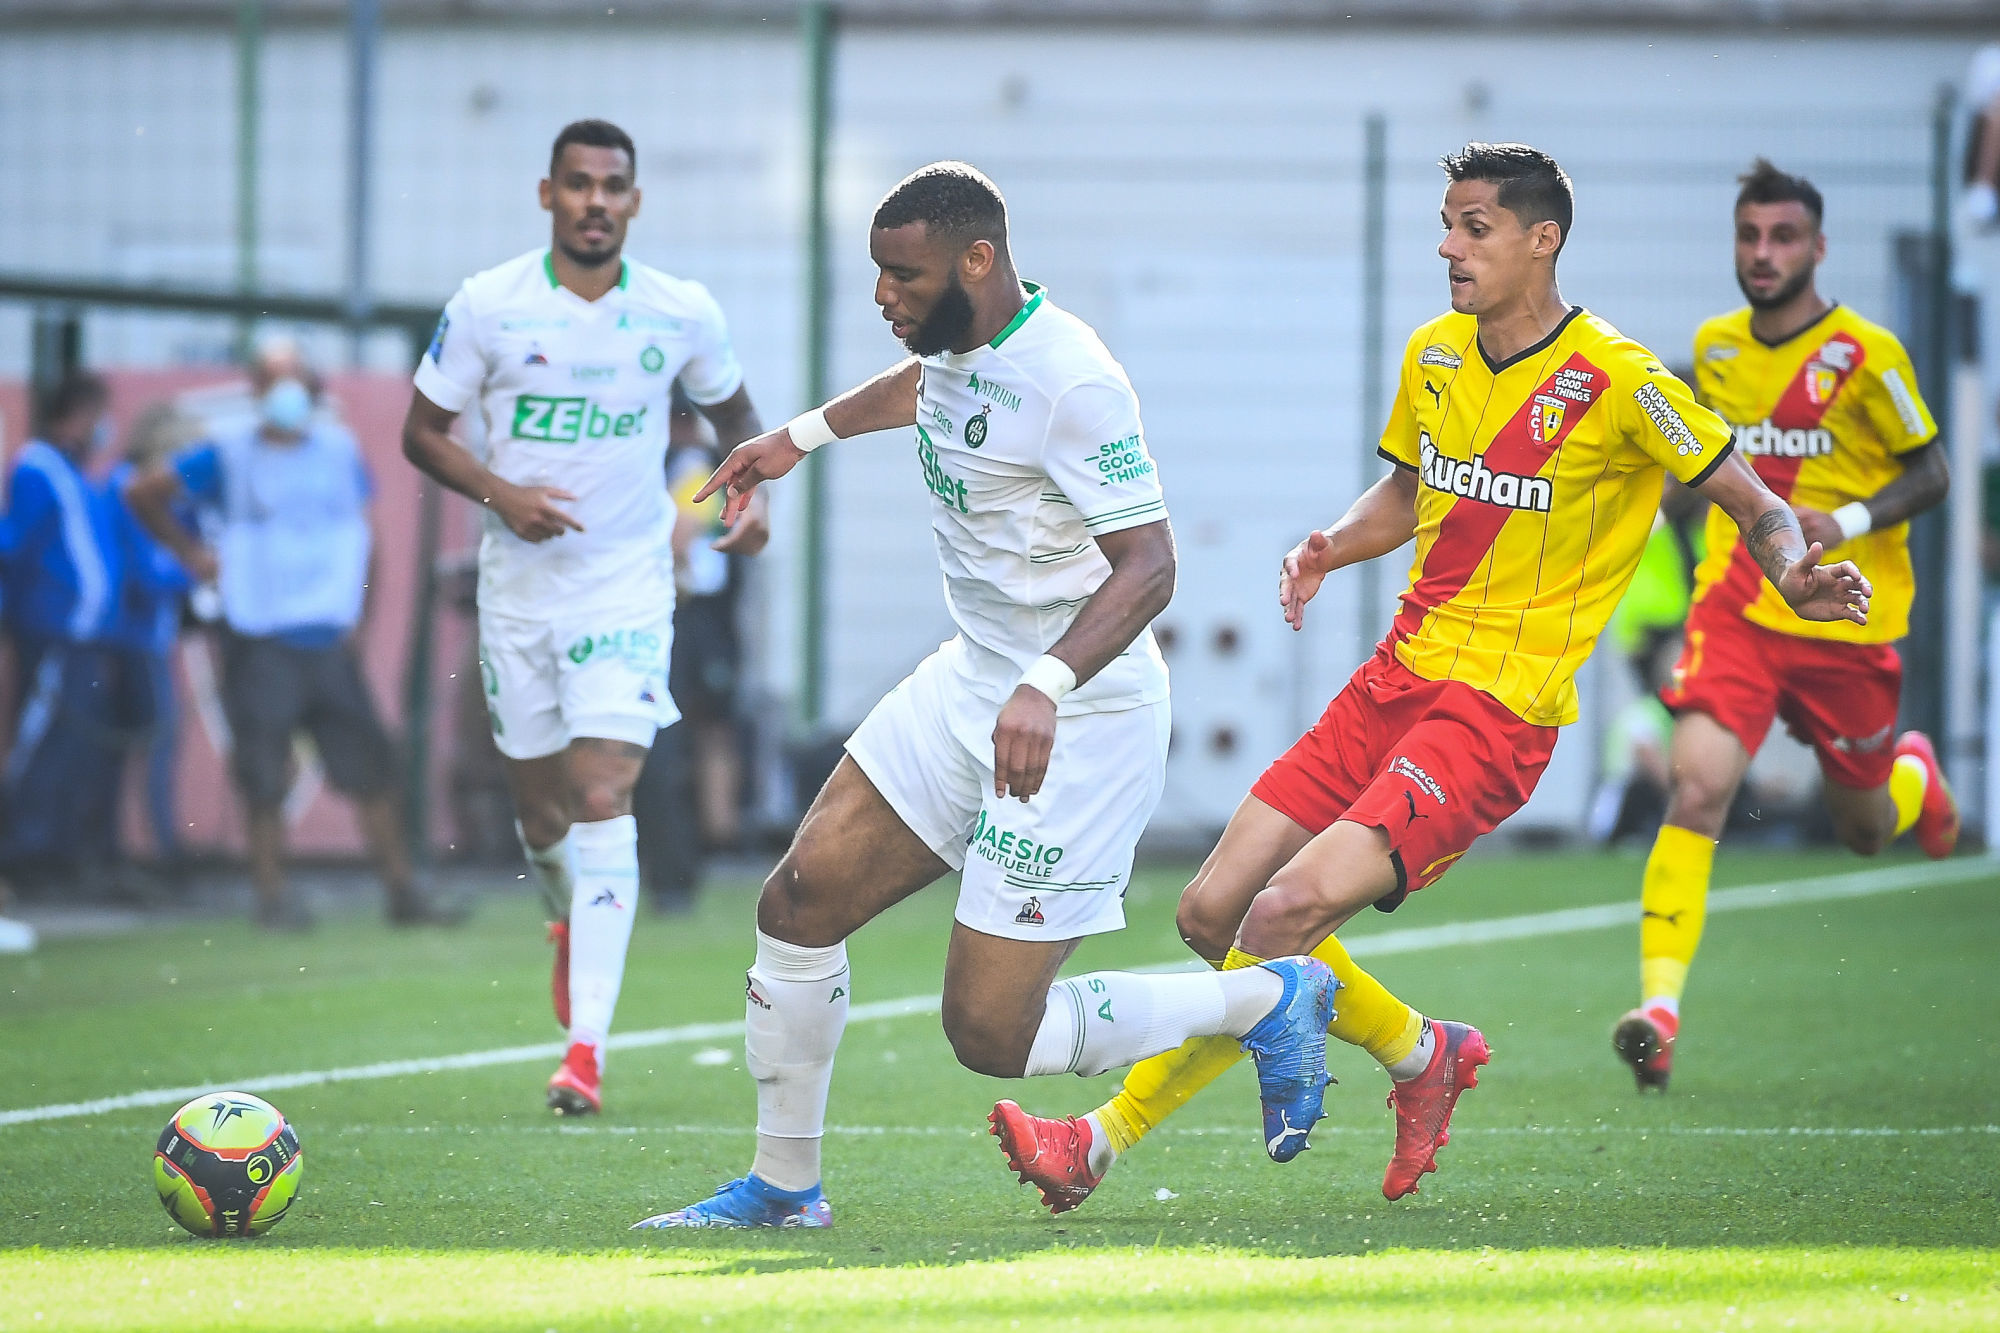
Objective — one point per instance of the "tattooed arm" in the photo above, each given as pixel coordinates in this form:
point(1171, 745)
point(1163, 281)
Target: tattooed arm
point(1772, 535)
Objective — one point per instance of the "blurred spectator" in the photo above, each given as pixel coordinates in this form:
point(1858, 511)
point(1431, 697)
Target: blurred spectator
point(1982, 142)
point(79, 705)
point(148, 624)
point(689, 796)
point(294, 545)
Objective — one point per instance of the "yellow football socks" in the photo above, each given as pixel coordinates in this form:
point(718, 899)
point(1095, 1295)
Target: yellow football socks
point(1156, 1088)
point(1365, 1013)
point(1673, 905)
point(1907, 781)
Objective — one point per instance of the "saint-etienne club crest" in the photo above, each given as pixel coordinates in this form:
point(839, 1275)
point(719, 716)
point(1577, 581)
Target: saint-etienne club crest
point(975, 430)
point(1545, 418)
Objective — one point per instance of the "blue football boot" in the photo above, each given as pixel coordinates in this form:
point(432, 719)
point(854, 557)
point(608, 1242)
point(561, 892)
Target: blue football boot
point(749, 1202)
point(1289, 1046)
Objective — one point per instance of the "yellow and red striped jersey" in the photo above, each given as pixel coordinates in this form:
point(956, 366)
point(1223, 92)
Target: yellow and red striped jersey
point(1822, 416)
point(1538, 478)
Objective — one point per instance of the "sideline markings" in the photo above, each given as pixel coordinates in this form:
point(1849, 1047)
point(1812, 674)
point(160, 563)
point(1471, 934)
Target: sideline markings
point(1535, 925)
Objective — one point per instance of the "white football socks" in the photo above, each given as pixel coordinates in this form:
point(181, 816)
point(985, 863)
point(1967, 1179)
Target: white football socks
point(604, 898)
point(1108, 1020)
point(1102, 1155)
point(1419, 1058)
point(549, 870)
point(795, 1008)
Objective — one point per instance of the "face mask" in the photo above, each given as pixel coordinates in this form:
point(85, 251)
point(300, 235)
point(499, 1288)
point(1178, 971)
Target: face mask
point(287, 406)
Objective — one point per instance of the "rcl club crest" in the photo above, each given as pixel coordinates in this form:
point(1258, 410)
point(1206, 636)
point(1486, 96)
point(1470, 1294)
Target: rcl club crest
point(1823, 374)
point(1545, 421)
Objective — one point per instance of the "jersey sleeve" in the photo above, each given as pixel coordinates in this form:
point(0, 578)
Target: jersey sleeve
point(712, 374)
point(1889, 397)
point(31, 509)
point(1399, 442)
point(200, 471)
point(454, 365)
point(1672, 429)
point(1096, 455)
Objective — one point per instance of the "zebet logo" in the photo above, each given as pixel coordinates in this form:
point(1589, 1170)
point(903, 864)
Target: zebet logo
point(943, 485)
point(1471, 478)
point(568, 420)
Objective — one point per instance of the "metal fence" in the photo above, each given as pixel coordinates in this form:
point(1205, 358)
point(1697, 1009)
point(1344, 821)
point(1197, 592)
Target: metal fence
point(1246, 213)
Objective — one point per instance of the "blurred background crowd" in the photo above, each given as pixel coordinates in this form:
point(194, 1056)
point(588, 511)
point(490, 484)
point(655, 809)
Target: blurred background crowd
point(238, 628)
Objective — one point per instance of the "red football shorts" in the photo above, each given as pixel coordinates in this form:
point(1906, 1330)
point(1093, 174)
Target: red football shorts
point(1839, 698)
point(1432, 763)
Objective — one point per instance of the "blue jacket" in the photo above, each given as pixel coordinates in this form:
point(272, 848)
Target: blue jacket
point(60, 567)
point(149, 614)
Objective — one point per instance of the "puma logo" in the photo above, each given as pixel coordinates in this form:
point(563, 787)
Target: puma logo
point(1277, 1142)
point(1671, 918)
point(1414, 816)
point(1437, 395)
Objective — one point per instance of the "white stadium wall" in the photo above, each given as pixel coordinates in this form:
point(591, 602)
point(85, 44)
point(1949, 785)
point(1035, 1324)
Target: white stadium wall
point(1193, 192)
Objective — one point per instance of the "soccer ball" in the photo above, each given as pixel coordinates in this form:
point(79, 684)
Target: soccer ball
point(228, 1165)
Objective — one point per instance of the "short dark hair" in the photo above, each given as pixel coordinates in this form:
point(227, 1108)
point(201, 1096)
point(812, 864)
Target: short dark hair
point(1532, 186)
point(592, 134)
point(952, 199)
point(1765, 184)
point(76, 390)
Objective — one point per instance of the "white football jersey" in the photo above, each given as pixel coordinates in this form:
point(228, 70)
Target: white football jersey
point(1031, 446)
point(575, 395)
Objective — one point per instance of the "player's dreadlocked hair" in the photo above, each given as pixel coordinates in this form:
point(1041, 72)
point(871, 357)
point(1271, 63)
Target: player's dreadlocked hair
point(1765, 184)
point(592, 134)
point(952, 199)
point(1532, 187)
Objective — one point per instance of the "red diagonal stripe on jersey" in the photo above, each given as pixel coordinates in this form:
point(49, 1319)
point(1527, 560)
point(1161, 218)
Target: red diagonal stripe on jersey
point(1470, 527)
point(1800, 407)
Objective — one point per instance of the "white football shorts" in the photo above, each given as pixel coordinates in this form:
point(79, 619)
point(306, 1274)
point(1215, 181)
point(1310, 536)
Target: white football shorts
point(1054, 868)
point(550, 681)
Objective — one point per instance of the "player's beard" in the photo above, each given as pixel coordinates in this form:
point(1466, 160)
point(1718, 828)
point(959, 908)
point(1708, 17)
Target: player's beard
point(1782, 295)
point(597, 258)
point(946, 324)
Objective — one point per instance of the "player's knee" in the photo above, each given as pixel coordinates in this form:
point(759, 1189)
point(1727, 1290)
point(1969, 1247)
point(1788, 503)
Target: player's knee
point(985, 1046)
point(789, 910)
point(596, 801)
point(1863, 839)
point(544, 823)
point(1700, 801)
point(1292, 914)
point(1204, 929)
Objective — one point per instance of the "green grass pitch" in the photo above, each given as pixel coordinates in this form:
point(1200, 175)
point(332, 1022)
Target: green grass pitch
point(1828, 1157)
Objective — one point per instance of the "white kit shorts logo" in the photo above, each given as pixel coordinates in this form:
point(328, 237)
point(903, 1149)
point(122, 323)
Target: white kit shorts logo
point(1402, 767)
point(1030, 914)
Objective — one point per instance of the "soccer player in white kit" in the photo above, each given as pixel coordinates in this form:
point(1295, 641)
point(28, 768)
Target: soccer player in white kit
point(569, 354)
point(1028, 752)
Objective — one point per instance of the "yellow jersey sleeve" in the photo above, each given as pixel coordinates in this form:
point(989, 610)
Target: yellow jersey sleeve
point(1670, 427)
point(1400, 436)
point(1889, 397)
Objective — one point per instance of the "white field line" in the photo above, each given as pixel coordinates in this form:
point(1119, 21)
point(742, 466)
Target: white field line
point(1535, 925)
point(1200, 1131)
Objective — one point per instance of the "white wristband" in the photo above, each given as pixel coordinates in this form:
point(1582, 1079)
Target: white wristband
point(809, 430)
point(1051, 675)
point(1854, 520)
